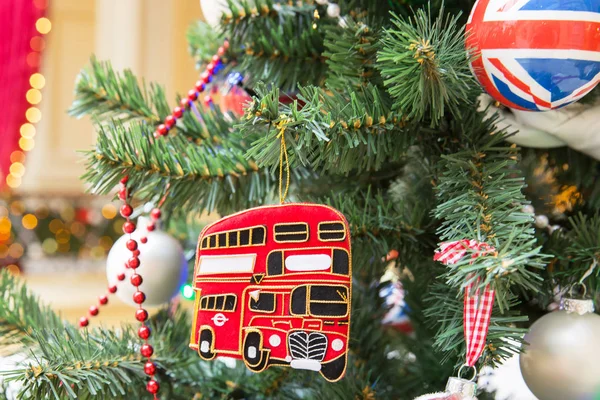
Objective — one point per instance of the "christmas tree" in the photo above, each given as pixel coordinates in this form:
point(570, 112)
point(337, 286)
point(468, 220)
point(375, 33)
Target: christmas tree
point(369, 107)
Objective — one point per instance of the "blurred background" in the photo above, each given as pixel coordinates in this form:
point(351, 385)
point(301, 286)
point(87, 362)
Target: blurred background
point(51, 232)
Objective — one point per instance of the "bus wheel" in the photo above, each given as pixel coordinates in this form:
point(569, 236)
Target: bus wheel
point(333, 370)
point(206, 344)
point(255, 357)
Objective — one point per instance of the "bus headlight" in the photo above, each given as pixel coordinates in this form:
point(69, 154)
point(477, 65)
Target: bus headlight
point(337, 344)
point(274, 340)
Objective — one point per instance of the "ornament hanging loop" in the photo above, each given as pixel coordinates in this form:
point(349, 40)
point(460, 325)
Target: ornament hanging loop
point(283, 158)
point(582, 291)
point(462, 367)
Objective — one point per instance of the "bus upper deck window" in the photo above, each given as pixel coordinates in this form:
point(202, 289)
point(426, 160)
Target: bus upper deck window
point(291, 233)
point(331, 231)
point(258, 235)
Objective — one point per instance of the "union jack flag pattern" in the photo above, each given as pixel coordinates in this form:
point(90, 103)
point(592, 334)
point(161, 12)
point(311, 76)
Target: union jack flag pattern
point(535, 55)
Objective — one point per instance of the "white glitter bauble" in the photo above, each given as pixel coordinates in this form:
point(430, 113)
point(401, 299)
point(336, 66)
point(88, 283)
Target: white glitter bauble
point(162, 266)
point(333, 10)
point(212, 10)
point(541, 221)
point(560, 358)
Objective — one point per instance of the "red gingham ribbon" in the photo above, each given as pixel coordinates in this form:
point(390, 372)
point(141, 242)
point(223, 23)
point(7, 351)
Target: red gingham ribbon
point(478, 307)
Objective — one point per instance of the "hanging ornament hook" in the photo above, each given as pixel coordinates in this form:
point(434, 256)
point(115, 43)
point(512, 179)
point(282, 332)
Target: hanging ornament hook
point(462, 367)
point(283, 157)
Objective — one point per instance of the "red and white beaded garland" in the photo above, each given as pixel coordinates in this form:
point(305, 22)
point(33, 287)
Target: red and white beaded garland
point(144, 332)
point(187, 102)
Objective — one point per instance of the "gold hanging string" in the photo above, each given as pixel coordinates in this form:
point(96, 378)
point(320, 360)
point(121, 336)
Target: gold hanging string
point(283, 157)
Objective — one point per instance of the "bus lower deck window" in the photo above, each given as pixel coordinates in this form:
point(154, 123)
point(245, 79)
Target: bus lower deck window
point(265, 303)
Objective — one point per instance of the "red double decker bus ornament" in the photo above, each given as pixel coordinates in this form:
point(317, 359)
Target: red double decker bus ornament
point(273, 287)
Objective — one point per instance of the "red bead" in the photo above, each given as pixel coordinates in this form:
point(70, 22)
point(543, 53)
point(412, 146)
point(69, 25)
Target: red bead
point(170, 121)
point(147, 350)
point(208, 100)
point(141, 314)
point(192, 95)
point(133, 262)
point(121, 277)
point(136, 280)
point(210, 68)
point(139, 297)
point(124, 179)
point(221, 51)
point(184, 103)
point(103, 299)
point(152, 386)
point(112, 289)
point(150, 368)
point(144, 240)
point(226, 44)
point(162, 130)
point(123, 194)
point(216, 59)
point(205, 77)
point(144, 332)
point(155, 214)
point(131, 245)
point(151, 227)
point(136, 252)
point(94, 310)
point(126, 210)
point(178, 112)
point(200, 86)
point(83, 321)
point(128, 227)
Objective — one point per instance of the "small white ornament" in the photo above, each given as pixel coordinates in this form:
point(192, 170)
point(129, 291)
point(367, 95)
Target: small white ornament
point(528, 209)
point(212, 10)
point(162, 266)
point(333, 10)
point(541, 221)
point(573, 126)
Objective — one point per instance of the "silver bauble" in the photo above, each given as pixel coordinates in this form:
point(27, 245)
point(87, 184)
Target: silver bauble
point(162, 266)
point(561, 358)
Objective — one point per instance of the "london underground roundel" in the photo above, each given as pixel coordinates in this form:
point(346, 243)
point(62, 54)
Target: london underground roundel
point(535, 55)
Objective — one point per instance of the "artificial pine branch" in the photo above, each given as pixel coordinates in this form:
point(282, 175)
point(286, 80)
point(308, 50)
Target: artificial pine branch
point(21, 314)
point(278, 40)
point(424, 66)
point(331, 132)
point(105, 94)
point(195, 177)
point(480, 197)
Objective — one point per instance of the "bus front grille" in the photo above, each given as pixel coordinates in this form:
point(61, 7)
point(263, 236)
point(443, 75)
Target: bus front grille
point(308, 346)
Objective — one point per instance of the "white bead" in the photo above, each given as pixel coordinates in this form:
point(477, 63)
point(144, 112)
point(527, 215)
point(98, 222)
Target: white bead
point(541, 221)
point(333, 10)
point(322, 2)
point(528, 209)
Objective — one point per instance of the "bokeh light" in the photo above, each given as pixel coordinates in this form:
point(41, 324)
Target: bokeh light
point(43, 25)
point(27, 130)
point(29, 221)
point(15, 251)
point(13, 269)
point(187, 291)
point(37, 81)
point(37, 43)
point(63, 236)
point(33, 115)
point(13, 181)
point(49, 246)
point(33, 96)
point(56, 225)
point(17, 169)
point(109, 211)
point(26, 144)
point(17, 207)
point(17, 155)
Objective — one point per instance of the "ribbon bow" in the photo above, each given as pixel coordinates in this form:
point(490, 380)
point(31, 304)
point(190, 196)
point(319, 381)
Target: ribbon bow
point(478, 306)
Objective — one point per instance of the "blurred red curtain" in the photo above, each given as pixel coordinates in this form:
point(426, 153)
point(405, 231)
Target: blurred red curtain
point(18, 61)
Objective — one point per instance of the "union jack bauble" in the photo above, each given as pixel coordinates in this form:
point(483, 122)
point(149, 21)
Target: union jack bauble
point(535, 55)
